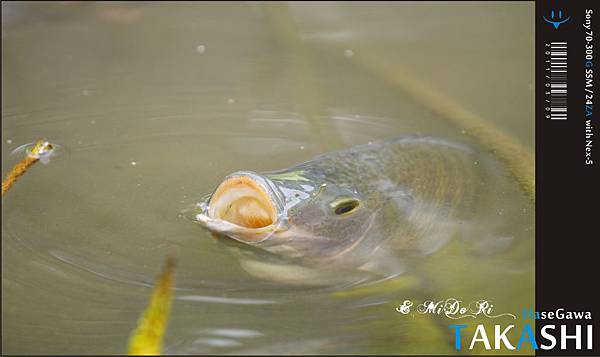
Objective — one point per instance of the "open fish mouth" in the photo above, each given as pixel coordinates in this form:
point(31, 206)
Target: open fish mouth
point(245, 206)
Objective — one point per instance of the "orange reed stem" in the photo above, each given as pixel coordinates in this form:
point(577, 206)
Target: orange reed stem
point(17, 172)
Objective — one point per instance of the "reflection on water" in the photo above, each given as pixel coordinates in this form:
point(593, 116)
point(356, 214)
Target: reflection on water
point(155, 104)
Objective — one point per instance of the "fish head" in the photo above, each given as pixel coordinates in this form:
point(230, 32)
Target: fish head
point(285, 215)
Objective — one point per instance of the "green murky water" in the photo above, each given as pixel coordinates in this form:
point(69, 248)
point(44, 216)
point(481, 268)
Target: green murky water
point(154, 104)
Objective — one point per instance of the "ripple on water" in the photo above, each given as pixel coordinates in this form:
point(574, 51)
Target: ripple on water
point(111, 210)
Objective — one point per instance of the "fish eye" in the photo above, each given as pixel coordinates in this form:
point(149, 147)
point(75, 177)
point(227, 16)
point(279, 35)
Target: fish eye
point(345, 206)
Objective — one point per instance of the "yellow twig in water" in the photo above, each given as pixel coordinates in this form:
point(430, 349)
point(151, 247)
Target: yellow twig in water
point(147, 338)
point(40, 148)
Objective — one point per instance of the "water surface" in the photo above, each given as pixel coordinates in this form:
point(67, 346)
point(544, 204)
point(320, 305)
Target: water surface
point(155, 104)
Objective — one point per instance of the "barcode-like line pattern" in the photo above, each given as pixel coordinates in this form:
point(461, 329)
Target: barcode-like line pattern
point(558, 81)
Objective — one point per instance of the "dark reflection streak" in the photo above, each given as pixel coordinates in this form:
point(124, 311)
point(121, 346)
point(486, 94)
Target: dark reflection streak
point(308, 91)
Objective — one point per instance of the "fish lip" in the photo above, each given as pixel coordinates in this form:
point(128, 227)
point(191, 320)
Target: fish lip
point(237, 232)
point(242, 233)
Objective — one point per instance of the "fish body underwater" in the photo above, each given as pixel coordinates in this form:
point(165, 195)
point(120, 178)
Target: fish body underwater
point(365, 209)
